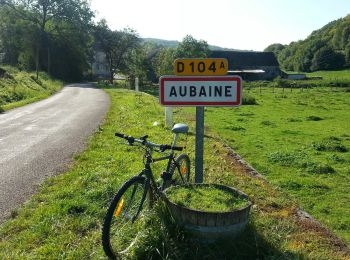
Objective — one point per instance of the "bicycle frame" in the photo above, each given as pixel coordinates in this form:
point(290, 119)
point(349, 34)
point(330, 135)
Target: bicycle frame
point(150, 159)
point(148, 174)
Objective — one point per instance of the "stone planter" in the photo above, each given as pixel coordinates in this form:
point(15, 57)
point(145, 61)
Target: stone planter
point(210, 226)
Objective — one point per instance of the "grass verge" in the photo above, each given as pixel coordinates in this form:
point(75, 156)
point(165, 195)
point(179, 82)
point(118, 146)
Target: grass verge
point(18, 88)
point(64, 219)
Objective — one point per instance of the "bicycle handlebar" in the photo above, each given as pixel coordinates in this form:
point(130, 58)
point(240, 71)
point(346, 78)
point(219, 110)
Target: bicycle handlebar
point(143, 141)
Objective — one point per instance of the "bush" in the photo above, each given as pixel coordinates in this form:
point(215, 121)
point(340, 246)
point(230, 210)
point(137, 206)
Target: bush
point(248, 100)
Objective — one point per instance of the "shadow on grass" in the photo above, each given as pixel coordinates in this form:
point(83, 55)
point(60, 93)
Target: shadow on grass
point(164, 239)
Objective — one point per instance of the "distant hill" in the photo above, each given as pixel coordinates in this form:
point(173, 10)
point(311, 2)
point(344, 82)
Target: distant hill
point(160, 42)
point(325, 49)
point(173, 44)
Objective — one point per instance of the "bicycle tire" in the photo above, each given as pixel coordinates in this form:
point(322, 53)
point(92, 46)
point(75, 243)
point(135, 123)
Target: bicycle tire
point(121, 224)
point(180, 175)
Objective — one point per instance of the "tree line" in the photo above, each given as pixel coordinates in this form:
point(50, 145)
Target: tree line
point(325, 49)
point(61, 38)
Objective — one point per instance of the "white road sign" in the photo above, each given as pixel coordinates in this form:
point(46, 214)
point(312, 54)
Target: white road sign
point(200, 91)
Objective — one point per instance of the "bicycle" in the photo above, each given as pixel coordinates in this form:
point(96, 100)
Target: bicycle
point(121, 224)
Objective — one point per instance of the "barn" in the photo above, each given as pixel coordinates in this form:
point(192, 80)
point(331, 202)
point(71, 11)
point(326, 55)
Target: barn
point(250, 65)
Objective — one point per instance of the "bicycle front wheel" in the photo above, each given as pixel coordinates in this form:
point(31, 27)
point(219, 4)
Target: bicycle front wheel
point(122, 225)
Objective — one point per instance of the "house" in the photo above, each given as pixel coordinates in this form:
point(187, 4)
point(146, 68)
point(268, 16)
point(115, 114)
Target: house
point(250, 65)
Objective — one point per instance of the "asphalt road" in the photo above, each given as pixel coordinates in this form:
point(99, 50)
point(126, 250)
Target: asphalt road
point(40, 139)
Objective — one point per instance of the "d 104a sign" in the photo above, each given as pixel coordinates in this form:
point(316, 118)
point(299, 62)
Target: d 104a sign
point(200, 91)
point(201, 67)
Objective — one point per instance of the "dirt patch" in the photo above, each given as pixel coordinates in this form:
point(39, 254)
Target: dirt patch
point(308, 223)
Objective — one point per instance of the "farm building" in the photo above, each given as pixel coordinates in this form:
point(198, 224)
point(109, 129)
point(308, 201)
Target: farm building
point(250, 65)
point(100, 66)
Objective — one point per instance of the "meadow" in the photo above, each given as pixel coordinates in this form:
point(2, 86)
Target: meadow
point(64, 219)
point(299, 140)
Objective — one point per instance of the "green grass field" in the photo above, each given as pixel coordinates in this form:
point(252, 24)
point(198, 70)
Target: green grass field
point(18, 88)
point(300, 141)
point(332, 75)
point(63, 220)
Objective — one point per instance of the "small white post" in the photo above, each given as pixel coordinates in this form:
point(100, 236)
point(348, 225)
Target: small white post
point(137, 84)
point(169, 117)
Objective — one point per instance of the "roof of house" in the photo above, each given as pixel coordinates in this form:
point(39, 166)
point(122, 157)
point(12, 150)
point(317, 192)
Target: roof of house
point(246, 59)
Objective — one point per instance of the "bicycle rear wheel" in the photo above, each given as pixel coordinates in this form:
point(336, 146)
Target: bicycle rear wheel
point(180, 170)
point(122, 225)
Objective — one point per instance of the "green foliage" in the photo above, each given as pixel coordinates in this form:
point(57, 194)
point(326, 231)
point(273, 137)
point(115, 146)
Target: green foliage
point(326, 58)
point(192, 48)
point(19, 88)
point(118, 46)
point(47, 35)
point(188, 48)
point(325, 49)
point(206, 198)
point(275, 48)
point(248, 100)
point(163, 63)
point(299, 152)
point(63, 220)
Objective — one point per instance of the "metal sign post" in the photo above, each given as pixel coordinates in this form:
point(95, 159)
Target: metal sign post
point(199, 145)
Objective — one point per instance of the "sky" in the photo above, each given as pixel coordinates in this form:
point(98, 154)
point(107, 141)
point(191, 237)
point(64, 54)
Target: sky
point(237, 24)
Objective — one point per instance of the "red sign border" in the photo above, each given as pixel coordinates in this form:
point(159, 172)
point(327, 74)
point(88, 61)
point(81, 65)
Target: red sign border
point(200, 78)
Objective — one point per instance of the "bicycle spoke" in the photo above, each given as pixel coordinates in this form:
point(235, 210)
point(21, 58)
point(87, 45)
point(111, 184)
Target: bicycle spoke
point(121, 228)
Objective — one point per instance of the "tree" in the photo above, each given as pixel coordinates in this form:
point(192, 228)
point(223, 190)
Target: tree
point(327, 59)
point(48, 16)
point(117, 46)
point(188, 48)
point(163, 63)
point(347, 55)
point(276, 48)
point(192, 48)
point(311, 53)
point(345, 36)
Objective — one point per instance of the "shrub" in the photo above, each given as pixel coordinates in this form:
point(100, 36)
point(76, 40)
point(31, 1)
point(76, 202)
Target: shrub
point(248, 100)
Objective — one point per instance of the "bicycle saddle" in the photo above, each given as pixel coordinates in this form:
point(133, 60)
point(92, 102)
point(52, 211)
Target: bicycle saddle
point(180, 129)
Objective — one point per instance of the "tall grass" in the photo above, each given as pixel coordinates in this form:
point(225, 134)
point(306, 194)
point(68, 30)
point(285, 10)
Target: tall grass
point(18, 88)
